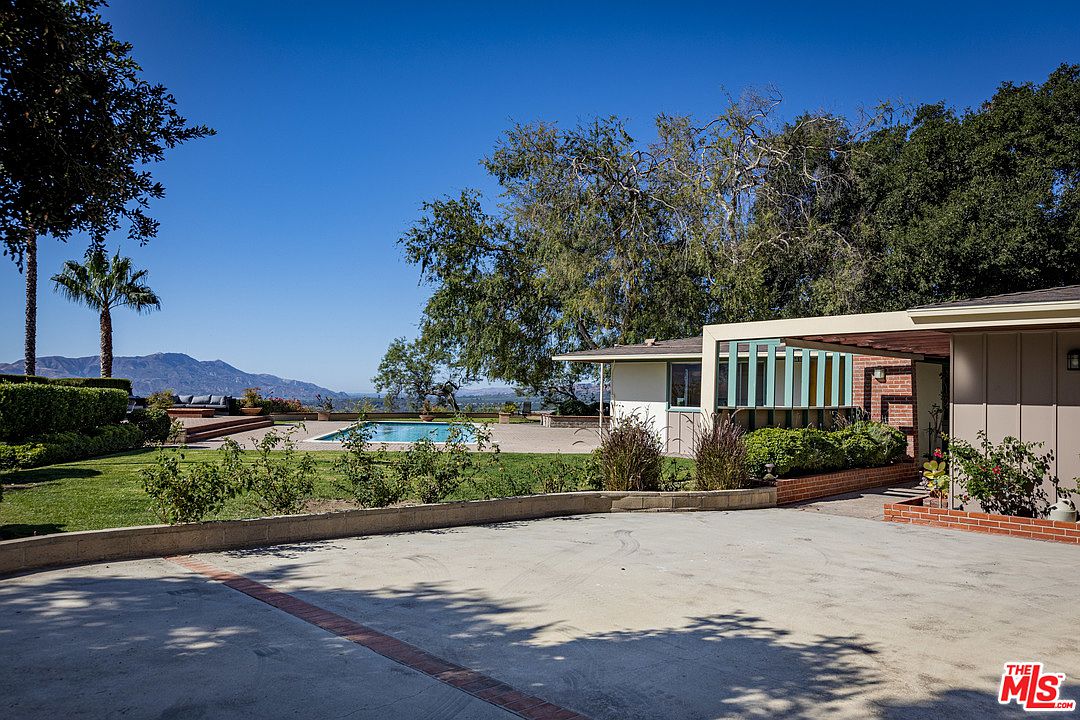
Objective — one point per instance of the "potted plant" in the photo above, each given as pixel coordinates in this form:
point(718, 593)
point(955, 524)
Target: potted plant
point(427, 413)
point(251, 403)
point(508, 410)
point(325, 406)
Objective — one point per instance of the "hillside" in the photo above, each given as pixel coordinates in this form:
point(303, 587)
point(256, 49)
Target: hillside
point(179, 372)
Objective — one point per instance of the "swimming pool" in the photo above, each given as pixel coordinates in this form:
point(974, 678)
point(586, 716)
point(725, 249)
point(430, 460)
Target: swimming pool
point(406, 432)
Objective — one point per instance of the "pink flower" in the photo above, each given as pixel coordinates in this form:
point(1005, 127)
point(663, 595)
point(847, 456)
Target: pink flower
point(997, 470)
point(937, 454)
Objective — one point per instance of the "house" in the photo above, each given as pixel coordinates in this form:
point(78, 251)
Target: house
point(1005, 364)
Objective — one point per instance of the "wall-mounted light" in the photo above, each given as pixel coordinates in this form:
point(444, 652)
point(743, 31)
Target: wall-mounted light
point(879, 374)
point(1072, 360)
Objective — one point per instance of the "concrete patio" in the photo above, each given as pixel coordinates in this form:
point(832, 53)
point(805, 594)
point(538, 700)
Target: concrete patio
point(765, 613)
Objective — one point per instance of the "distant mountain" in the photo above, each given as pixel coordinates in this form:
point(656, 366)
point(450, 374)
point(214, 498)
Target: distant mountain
point(181, 373)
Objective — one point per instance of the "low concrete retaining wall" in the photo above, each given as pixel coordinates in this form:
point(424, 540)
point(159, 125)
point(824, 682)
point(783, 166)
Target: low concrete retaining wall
point(77, 548)
point(790, 490)
point(1032, 528)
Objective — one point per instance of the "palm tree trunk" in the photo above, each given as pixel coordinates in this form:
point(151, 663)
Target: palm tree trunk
point(30, 341)
point(106, 343)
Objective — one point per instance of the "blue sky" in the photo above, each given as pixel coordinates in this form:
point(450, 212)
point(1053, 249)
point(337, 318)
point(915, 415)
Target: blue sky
point(277, 251)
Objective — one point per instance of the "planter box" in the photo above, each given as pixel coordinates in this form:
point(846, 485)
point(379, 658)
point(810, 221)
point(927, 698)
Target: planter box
point(93, 546)
point(182, 412)
point(1031, 528)
point(810, 487)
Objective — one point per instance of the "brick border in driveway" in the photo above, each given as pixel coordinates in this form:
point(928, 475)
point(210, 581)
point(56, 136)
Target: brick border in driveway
point(480, 686)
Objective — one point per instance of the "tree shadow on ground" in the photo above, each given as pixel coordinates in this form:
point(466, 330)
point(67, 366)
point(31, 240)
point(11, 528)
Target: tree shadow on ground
point(22, 479)
point(724, 665)
point(12, 531)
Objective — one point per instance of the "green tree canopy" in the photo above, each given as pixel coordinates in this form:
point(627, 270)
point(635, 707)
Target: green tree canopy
point(103, 285)
point(598, 238)
point(78, 128)
point(412, 372)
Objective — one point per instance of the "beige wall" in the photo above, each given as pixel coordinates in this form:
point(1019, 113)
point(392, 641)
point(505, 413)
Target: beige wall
point(1015, 383)
point(641, 388)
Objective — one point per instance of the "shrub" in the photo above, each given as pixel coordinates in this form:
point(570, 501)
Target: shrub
point(630, 456)
point(31, 409)
point(431, 471)
point(1006, 479)
point(189, 494)
point(160, 400)
point(720, 456)
point(277, 405)
point(251, 398)
point(361, 474)
point(95, 382)
point(573, 406)
point(810, 450)
point(155, 424)
point(282, 479)
point(68, 446)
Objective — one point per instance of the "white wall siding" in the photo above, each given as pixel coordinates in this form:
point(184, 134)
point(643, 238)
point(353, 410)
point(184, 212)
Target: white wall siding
point(641, 388)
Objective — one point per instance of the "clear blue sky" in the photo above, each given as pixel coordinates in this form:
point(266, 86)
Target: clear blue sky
point(277, 251)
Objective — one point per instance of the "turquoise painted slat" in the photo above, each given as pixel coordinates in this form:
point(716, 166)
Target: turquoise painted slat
point(804, 396)
point(836, 360)
point(733, 373)
point(770, 377)
point(849, 381)
point(751, 374)
point(789, 377)
point(821, 377)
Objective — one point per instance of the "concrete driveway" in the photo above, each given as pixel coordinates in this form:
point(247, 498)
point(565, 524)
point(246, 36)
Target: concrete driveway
point(767, 613)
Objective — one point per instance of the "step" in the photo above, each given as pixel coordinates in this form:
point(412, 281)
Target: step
point(226, 427)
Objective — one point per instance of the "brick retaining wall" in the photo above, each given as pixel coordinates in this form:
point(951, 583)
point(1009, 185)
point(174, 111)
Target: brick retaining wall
point(1032, 528)
point(789, 490)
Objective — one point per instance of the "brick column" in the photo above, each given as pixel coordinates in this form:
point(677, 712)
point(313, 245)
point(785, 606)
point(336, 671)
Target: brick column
point(891, 401)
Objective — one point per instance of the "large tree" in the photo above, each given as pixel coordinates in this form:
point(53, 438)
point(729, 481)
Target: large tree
point(78, 126)
point(413, 372)
point(103, 285)
point(598, 239)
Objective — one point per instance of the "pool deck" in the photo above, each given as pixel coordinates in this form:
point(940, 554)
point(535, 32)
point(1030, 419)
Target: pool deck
point(513, 438)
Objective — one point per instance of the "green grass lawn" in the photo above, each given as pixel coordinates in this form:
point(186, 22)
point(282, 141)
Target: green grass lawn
point(107, 491)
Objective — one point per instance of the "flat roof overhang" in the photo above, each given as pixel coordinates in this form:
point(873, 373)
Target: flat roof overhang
point(916, 334)
point(637, 357)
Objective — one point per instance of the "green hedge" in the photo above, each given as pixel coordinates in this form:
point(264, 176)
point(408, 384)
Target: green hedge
point(29, 409)
point(803, 451)
point(108, 383)
point(67, 446)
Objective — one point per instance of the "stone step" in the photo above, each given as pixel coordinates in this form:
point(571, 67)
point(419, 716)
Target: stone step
point(226, 426)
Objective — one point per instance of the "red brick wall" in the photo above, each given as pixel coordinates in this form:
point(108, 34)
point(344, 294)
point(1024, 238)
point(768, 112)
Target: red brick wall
point(789, 490)
point(1036, 529)
point(891, 401)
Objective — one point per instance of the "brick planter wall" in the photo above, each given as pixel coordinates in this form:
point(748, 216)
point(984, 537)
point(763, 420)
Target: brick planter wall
point(1031, 528)
point(789, 490)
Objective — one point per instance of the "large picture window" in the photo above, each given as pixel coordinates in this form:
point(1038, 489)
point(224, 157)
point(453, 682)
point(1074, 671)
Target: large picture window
point(685, 390)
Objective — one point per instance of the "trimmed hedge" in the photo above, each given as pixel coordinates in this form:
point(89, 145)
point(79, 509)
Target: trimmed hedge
point(32, 409)
point(67, 446)
point(802, 451)
point(107, 383)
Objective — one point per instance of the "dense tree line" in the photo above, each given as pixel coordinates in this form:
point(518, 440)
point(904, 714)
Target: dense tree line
point(598, 238)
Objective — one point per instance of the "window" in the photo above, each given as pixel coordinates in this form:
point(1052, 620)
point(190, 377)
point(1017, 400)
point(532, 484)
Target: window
point(685, 389)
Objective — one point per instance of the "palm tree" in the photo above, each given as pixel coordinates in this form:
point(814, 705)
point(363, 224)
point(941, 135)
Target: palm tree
point(102, 285)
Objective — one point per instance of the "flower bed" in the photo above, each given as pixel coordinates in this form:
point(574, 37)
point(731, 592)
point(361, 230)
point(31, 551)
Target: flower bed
point(1032, 528)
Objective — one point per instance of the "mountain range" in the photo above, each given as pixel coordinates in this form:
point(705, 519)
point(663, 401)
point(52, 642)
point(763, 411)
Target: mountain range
point(178, 372)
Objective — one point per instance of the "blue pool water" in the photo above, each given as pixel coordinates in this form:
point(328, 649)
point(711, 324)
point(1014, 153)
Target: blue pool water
point(407, 432)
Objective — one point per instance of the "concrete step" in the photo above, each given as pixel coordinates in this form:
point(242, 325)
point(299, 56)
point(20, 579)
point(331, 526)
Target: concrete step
point(225, 426)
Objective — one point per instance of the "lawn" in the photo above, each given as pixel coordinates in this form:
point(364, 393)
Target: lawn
point(107, 491)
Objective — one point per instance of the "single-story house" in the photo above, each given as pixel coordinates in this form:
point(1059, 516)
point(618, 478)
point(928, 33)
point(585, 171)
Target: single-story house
point(1006, 364)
